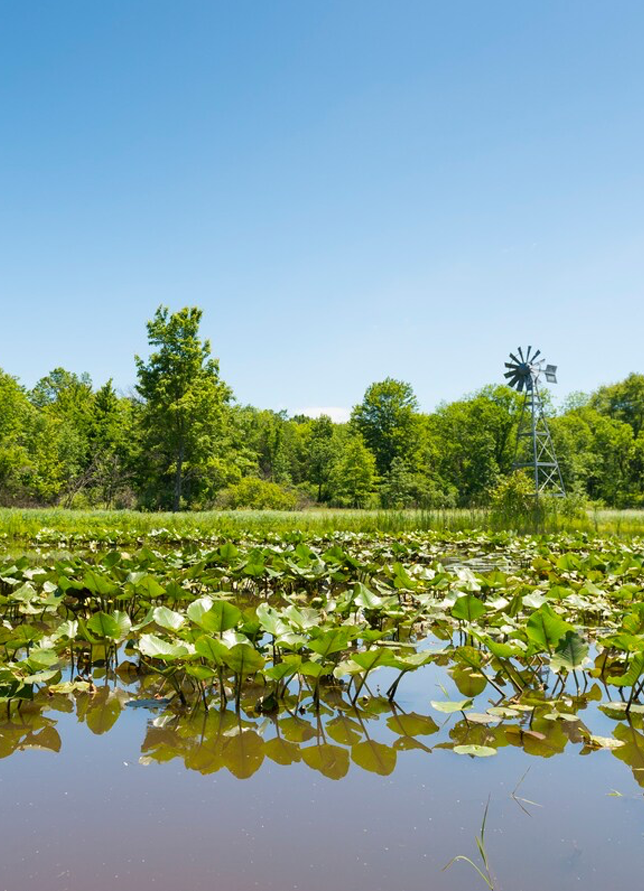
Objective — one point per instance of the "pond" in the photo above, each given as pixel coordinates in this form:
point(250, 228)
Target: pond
point(103, 793)
point(374, 718)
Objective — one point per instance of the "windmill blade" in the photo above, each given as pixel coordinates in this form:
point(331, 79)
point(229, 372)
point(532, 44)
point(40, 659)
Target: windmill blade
point(538, 353)
point(527, 356)
point(511, 365)
point(520, 387)
point(520, 352)
point(509, 374)
point(514, 358)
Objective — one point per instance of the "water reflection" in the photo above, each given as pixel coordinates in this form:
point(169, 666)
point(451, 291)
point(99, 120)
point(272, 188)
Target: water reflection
point(370, 734)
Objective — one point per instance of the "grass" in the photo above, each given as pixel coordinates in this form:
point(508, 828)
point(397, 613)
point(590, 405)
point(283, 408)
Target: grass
point(23, 525)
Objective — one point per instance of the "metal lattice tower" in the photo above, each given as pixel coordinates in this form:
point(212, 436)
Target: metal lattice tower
point(534, 449)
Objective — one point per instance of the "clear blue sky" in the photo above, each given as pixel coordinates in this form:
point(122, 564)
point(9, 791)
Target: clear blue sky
point(350, 189)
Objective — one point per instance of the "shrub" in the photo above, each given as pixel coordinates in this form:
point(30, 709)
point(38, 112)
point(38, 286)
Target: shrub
point(256, 494)
point(513, 495)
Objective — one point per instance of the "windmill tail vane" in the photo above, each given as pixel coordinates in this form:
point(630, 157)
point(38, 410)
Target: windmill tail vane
point(534, 450)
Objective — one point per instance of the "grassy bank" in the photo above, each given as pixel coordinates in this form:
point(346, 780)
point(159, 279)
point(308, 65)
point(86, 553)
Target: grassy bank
point(29, 525)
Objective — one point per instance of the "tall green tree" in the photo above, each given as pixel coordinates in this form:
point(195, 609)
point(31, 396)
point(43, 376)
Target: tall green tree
point(597, 455)
point(475, 439)
point(321, 452)
point(114, 443)
point(386, 419)
point(65, 403)
point(623, 401)
point(185, 408)
point(15, 459)
point(354, 475)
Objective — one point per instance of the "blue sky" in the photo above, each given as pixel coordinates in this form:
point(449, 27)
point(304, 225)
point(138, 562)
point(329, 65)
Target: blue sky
point(349, 189)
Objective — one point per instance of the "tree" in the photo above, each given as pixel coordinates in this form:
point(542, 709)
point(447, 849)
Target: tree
point(185, 405)
point(386, 420)
point(475, 440)
point(597, 453)
point(65, 403)
point(114, 443)
point(321, 451)
point(623, 401)
point(354, 475)
point(15, 460)
point(398, 488)
point(270, 435)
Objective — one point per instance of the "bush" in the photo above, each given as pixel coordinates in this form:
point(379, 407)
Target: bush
point(515, 505)
point(572, 506)
point(256, 494)
point(513, 496)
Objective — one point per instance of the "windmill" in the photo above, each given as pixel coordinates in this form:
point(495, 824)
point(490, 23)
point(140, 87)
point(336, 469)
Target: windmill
point(534, 448)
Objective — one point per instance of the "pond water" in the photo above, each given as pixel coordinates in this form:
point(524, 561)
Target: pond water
point(96, 794)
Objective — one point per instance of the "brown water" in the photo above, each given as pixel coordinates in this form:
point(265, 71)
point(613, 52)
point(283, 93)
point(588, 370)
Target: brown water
point(96, 795)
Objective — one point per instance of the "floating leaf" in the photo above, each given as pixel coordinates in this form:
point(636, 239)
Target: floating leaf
point(476, 751)
point(450, 707)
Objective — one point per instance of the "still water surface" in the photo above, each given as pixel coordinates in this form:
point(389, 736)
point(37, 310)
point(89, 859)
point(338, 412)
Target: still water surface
point(109, 796)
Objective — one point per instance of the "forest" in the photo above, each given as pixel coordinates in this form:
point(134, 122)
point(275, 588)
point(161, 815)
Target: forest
point(180, 441)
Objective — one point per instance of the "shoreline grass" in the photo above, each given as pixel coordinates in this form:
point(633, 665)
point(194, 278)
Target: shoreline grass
point(30, 524)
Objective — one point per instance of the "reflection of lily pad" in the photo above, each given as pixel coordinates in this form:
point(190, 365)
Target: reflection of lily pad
point(243, 754)
point(374, 757)
point(332, 761)
point(281, 751)
point(412, 724)
point(344, 730)
point(468, 681)
point(407, 743)
point(632, 752)
point(296, 730)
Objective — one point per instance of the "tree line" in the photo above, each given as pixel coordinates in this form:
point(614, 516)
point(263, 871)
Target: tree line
point(181, 441)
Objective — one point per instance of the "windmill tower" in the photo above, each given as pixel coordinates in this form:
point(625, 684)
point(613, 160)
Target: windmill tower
point(534, 449)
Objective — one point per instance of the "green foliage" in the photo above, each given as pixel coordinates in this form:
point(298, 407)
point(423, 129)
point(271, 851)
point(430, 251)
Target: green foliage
point(321, 447)
point(306, 638)
point(354, 474)
point(181, 442)
point(513, 497)
point(255, 494)
point(184, 416)
point(473, 441)
point(387, 421)
point(623, 402)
